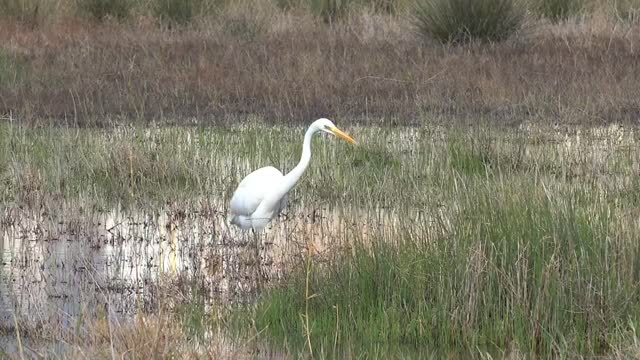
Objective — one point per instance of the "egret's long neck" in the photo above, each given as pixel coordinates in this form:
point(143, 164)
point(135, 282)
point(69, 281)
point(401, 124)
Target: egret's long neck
point(294, 175)
point(289, 180)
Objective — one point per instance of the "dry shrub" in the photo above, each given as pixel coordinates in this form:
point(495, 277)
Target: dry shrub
point(144, 337)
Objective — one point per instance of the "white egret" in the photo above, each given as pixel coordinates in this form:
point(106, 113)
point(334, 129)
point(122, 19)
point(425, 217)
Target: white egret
point(262, 195)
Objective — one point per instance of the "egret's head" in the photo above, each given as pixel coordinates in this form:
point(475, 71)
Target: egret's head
point(329, 127)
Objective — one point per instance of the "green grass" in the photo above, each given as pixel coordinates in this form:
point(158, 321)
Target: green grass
point(525, 257)
point(544, 273)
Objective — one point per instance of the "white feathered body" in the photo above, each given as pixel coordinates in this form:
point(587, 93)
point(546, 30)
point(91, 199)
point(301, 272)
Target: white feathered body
point(254, 190)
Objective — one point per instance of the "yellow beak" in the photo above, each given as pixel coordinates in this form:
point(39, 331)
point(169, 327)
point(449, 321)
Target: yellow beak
point(342, 135)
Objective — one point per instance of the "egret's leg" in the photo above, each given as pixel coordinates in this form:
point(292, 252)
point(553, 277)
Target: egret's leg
point(258, 262)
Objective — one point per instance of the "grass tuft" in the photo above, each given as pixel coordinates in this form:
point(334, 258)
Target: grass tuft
point(330, 10)
point(627, 10)
point(459, 21)
point(103, 9)
point(182, 12)
point(287, 5)
point(30, 12)
point(12, 69)
point(383, 6)
point(559, 10)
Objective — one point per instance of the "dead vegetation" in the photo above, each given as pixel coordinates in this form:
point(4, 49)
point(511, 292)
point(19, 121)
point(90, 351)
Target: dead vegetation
point(288, 67)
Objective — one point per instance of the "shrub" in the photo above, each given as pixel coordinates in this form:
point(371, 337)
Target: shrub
point(183, 11)
point(332, 10)
point(26, 11)
point(101, 9)
point(329, 10)
point(558, 10)
point(287, 5)
point(627, 10)
point(383, 6)
point(455, 21)
point(11, 69)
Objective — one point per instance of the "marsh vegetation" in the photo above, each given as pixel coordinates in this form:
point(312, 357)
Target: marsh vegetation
point(490, 210)
point(421, 241)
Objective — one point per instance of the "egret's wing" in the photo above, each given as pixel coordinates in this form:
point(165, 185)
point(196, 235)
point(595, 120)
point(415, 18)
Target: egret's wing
point(253, 189)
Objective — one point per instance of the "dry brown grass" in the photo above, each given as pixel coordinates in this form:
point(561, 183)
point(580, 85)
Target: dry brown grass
point(158, 336)
point(290, 67)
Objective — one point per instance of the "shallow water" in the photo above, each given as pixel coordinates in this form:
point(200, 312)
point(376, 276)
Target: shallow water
point(61, 268)
point(59, 265)
point(53, 269)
